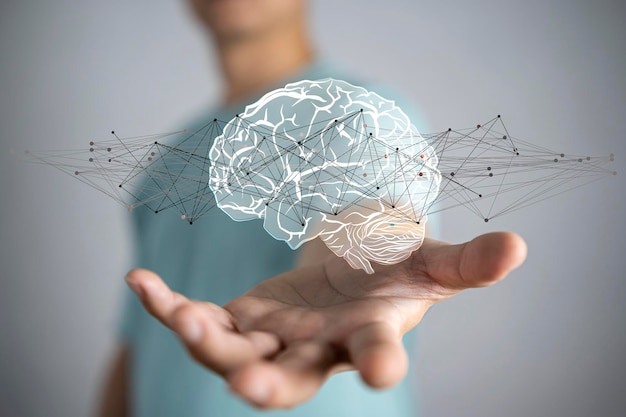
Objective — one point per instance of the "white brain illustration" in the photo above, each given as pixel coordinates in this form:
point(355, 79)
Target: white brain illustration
point(326, 158)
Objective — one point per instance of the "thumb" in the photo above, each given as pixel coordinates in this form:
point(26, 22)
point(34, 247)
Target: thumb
point(480, 262)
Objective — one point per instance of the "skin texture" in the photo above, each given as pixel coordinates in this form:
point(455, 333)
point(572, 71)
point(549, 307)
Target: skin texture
point(279, 342)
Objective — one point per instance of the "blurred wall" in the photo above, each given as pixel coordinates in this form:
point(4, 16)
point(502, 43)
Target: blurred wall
point(550, 340)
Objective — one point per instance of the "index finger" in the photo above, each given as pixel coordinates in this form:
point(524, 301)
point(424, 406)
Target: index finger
point(157, 298)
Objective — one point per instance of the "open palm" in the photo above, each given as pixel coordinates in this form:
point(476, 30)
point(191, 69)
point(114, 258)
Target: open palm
point(279, 342)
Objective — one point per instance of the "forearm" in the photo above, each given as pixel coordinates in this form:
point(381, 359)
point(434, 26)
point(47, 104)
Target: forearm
point(114, 397)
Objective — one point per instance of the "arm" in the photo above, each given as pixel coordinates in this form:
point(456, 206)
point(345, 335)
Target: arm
point(114, 397)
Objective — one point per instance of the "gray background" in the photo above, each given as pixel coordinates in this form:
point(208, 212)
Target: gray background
point(550, 340)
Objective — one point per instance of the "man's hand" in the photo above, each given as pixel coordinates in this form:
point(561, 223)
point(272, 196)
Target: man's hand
point(279, 342)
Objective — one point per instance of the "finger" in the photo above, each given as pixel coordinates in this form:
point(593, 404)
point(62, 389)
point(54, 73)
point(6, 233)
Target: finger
point(377, 352)
point(213, 340)
point(292, 378)
point(480, 262)
point(154, 294)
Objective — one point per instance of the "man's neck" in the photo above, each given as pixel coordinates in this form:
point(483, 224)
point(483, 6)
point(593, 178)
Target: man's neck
point(251, 65)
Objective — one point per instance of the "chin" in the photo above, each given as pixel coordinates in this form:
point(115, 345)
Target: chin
point(241, 19)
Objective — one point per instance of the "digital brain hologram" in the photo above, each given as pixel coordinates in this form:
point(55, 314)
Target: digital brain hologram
point(331, 160)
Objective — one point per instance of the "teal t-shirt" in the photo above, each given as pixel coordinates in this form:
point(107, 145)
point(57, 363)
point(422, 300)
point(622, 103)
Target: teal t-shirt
point(217, 259)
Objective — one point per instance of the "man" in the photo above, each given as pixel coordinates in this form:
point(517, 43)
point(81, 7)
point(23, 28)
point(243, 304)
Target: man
point(276, 345)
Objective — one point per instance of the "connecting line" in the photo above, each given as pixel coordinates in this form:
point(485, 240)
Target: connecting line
point(269, 158)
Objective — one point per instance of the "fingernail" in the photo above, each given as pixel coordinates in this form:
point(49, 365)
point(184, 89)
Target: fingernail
point(135, 287)
point(190, 331)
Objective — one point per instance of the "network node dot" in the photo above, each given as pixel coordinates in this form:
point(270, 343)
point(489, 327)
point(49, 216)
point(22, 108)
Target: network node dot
point(204, 170)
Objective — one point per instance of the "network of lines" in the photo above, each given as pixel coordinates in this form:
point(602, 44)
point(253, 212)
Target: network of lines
point(483, 170)
point(357, 174)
